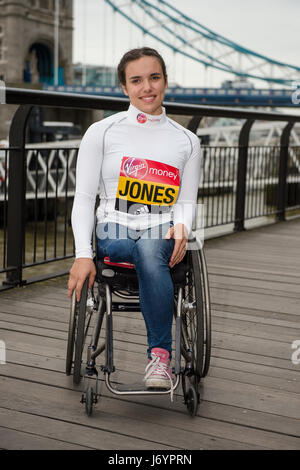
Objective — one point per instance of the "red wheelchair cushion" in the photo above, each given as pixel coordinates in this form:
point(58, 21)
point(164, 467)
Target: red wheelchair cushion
point(124, 264)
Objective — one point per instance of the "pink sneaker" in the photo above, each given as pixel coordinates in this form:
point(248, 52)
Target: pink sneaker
point(158, 373)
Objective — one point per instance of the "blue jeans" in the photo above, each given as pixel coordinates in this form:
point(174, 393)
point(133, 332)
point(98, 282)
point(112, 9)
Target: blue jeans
point(150, 253)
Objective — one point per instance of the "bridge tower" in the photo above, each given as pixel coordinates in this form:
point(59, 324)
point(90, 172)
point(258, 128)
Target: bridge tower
point(27, 42)
point(27, 54)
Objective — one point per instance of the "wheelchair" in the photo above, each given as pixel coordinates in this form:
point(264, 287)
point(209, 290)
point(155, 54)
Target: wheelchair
point(192, 320)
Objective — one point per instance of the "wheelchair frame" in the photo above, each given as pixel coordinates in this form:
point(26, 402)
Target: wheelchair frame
point(110, 279)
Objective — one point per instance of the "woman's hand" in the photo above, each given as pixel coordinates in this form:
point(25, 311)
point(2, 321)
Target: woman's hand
point(81, 269)
point(179, 233)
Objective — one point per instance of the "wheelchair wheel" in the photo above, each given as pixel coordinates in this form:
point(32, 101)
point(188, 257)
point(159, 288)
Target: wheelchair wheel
point(71, 336)
point(89, 400)
point(207, 313)
point(193, 332)
point(82, 323)
point(192, 401)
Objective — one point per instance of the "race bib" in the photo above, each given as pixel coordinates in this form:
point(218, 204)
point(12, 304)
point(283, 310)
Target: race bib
point(146, 186)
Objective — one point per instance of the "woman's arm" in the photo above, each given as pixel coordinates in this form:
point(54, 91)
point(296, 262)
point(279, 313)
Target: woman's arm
point(88, 169)
point(185, 207)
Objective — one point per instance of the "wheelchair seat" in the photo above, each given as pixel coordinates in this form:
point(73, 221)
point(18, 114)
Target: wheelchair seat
point(123, 274)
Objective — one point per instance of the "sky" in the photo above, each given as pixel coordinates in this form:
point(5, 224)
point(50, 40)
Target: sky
point(269, 27)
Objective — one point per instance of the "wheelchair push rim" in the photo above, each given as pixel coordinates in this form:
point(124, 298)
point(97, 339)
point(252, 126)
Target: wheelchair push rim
point(71, 336)
point(78, 328)
point(193, 321)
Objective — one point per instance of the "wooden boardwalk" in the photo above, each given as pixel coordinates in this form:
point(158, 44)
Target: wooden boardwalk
point(250, 398)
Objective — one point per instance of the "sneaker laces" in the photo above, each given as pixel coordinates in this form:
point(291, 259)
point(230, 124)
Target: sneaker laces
point(161, 368)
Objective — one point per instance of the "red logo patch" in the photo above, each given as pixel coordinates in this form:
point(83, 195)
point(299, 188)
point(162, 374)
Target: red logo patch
point(141, 118)
point(135, 168)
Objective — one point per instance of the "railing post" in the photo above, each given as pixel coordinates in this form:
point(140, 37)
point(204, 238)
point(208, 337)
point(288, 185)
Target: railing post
point(242, 176)
point(194, 123)
point(283, 171)
point(16, 196)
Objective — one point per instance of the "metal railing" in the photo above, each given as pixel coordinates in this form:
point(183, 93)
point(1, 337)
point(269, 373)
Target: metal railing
point(238, 183)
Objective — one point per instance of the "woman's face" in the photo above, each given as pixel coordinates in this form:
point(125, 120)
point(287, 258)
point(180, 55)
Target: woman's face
point(145, 84)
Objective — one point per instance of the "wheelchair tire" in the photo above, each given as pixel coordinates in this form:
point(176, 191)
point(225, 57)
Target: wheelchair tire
point(80, 332)
point(192, 401)
point(89, 400)
point(193, 316)
point(207, 313)
point(71, 335)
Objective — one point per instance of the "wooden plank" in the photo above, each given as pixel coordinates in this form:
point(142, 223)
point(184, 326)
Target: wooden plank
point(253, 437)
point(236, 326)
point(135, 325)
point(286, 379)
point(57, 349)
point(229, 370)
point(51, 402)
point(225, 279)
point(226, 346)
point(251, 395)
point(261, 289)
point(220, 269)
point(256, 300)
point(258, 318)
point(67, 435)
point(224, 340)
point(259, 419)
point(227, 391)
point(12, 439)
point(265, 314)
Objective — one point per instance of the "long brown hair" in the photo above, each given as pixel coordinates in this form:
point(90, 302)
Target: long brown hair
point(135, 54)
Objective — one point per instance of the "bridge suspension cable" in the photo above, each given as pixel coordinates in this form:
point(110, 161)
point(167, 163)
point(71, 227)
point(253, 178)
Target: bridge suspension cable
point(188, 37)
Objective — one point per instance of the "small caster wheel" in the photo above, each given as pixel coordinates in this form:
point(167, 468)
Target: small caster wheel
point(192, 401)
point(89, 400)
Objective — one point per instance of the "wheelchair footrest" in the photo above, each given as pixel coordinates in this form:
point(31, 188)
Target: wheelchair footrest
point(135, 387)
point(138, 388)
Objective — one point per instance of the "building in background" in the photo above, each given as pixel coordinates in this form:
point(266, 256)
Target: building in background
point(27, 42)
point(94, 75)
point(27, 48)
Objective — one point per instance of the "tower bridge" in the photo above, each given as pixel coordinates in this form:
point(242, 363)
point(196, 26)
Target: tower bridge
point(27, 53)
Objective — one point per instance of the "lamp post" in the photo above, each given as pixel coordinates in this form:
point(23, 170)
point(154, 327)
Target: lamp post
point(56, 42)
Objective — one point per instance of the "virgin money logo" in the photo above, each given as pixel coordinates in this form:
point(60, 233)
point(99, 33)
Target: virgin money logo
point(135, 168)
point(141, 118)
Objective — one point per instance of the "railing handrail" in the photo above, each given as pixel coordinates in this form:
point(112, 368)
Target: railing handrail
point(74, 100)
point(26, 99)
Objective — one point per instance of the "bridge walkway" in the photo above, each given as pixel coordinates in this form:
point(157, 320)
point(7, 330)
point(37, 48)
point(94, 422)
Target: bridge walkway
point(249, 400)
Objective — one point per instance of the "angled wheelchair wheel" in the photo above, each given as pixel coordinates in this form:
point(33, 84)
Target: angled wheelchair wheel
point(207, 313)
point(82, 320)
point(71, 335)
point(195, 331)
point(192, 321)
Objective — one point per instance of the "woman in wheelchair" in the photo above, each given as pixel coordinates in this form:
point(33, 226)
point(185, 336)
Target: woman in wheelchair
point(147, 166)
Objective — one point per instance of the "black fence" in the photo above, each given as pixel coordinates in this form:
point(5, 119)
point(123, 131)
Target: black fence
point(37, 183)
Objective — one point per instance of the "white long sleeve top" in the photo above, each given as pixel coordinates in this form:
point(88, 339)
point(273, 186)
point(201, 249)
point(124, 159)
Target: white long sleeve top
point(147, 168)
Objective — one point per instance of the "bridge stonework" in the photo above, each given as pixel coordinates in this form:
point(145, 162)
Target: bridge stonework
point(28, 34)
point(27, 46)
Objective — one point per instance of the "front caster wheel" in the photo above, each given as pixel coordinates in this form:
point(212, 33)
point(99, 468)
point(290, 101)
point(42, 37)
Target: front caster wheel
point(191, 400)
point(90, 400)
